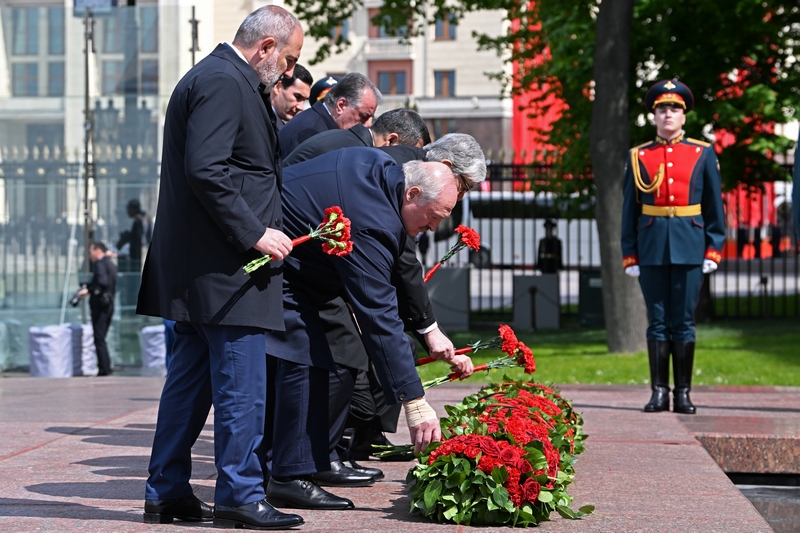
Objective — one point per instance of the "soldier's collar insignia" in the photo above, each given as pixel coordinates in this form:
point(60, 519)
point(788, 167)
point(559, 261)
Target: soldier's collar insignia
point(676, 140)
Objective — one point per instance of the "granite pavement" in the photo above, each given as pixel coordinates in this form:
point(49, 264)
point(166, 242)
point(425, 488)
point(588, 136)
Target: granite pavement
point(74, 455)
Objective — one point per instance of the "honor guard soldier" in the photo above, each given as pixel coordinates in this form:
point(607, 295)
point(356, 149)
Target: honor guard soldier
point(673, 230)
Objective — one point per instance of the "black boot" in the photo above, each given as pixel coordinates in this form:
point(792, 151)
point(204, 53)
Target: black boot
point(658, 353)
point(682, 363)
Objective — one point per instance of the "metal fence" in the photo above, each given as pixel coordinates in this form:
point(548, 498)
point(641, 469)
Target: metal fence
point(757, 278)
point(41, 248)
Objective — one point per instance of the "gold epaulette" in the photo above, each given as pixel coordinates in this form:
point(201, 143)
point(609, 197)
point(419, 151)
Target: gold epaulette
point(641, 145)
point(696, 141)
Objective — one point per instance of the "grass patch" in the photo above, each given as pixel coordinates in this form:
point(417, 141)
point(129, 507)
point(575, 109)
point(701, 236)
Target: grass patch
point(756, 305)
point(734, 352)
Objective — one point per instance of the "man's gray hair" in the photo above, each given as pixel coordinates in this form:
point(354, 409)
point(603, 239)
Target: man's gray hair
point(406, 123)
point(416, 175)
point(463, 151)
point(351, 88)
point(267, 21)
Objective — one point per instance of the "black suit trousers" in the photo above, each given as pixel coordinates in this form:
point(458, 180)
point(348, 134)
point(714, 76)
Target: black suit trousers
point(101, 321)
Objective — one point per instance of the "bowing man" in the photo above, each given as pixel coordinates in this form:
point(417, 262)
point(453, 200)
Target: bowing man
point(386, 204)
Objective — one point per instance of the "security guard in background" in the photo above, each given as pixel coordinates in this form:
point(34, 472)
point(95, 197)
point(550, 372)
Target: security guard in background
point(549, 259)
point(673, 231)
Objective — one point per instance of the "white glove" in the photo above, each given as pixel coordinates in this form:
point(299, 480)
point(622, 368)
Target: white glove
point(709, 266)
point(633, 271)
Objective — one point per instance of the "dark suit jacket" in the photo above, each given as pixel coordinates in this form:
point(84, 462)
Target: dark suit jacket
point(415, 305)
point(220, 188)
point(313, 120)
point(369, 187)
point(103, 285)
point(328, 141)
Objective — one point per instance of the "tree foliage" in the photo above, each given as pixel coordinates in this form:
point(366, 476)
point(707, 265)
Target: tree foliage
point(741, 59)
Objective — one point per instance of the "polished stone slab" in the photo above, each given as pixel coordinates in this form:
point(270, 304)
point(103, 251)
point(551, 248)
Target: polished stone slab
point(75, 458)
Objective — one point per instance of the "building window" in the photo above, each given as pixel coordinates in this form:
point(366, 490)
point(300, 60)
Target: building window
point(111, 82)
point(342, 30)
point(446, 28)
point(444, 83)
point(150, 76)
point(442, 127)
point(55, 78)
point(112, 33)
point(392, 82)
point(149, 20)
point(377, 31)
point(55, 31)
point(25, 79)
point(25, 31)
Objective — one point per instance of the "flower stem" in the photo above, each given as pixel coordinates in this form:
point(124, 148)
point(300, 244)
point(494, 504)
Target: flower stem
point(431, 272)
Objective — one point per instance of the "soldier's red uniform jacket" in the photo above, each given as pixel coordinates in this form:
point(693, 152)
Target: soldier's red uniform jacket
point(672, 206)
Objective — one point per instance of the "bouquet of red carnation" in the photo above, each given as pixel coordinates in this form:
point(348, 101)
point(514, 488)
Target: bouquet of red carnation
point(469, 237)
point(334, 231)
point(498, 465)
point(539, 403)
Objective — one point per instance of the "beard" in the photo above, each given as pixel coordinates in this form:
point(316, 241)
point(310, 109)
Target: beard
point(268, 73)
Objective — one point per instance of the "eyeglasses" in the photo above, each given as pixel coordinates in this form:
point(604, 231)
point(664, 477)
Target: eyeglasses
point(467, 186)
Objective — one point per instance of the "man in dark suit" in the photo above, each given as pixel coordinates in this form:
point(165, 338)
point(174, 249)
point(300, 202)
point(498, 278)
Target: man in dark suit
point(351, 101)
point(289, 95)
point(369, 415)
point(101, 290)
point(673, 230)
point(386, 204)
point(219, 208)
point(395, 127)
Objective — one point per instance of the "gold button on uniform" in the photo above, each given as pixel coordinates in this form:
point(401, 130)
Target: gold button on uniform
point(669, 149)
point(671, 197)
point(671, 180)
point(669, 164)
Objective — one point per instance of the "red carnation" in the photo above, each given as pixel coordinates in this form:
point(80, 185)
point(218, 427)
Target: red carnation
point(470, 237)
point(526, 358)
point(337, 248)
point(334, 230)
point(472, 452)
point(487, 464)
point(510, 341)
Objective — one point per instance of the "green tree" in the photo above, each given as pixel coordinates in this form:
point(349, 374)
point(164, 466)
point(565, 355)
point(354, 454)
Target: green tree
point(739, 58)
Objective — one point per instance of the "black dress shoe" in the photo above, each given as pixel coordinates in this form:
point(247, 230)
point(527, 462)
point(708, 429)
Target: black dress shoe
point(188, 509)
point(256, 515)
point(362, 444)
point(374, 472)
point(304, 494)
point(342, 476)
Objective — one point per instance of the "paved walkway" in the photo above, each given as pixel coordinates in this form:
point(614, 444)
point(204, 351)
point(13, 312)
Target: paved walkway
point(74, 454)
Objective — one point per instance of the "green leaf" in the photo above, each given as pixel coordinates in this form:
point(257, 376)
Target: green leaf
point(566, 512)
point(586, 509)
point(432, 493)
point(544, 496)
point(450, 512)
point(500, 497)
